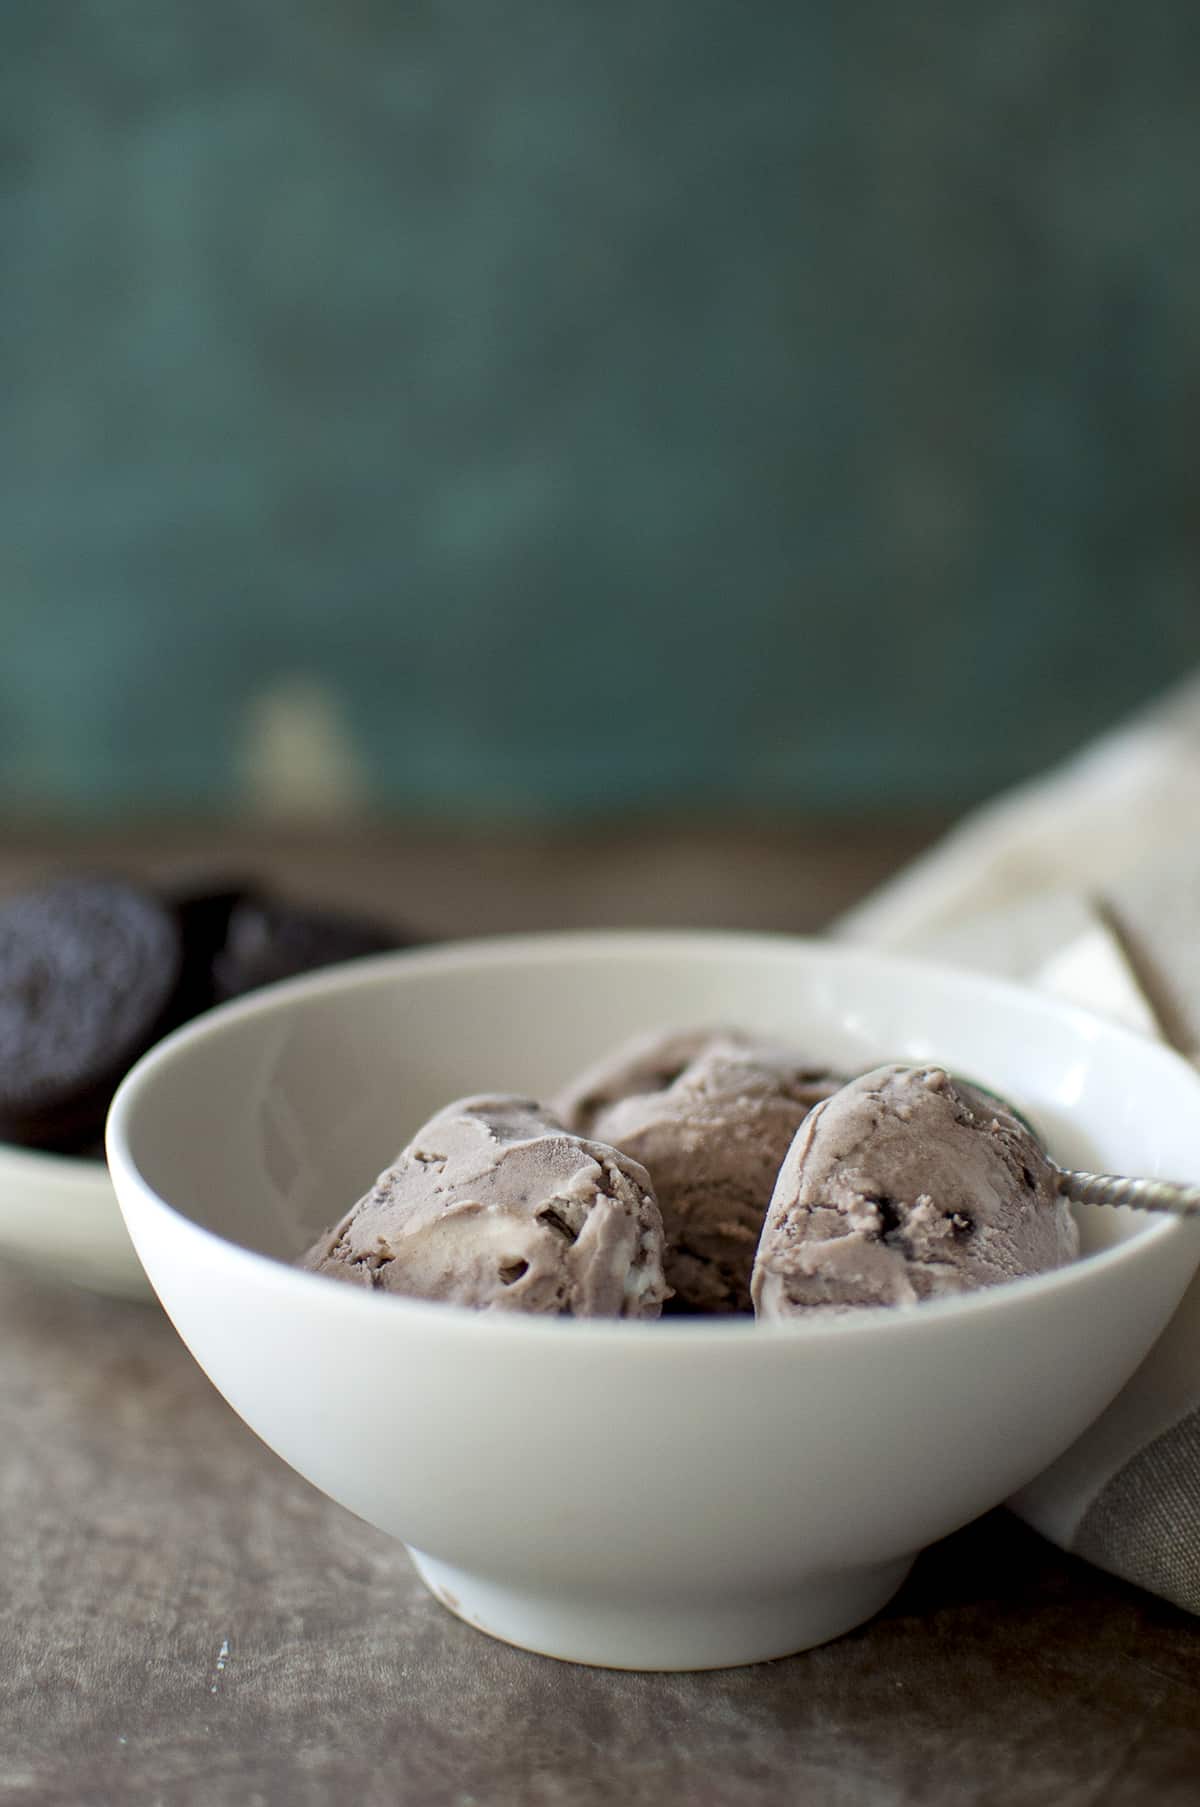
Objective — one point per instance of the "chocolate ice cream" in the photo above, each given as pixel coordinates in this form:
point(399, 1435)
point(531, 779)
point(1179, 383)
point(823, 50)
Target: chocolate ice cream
point(496, 1206)
point(711, 1133)
point(905, 1185)
point(645, 1063)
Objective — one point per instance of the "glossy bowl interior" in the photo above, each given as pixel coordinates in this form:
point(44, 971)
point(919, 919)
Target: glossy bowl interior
point(675, 1495)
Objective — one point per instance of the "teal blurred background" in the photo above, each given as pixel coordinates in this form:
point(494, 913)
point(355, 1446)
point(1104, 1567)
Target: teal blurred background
point(461, 408)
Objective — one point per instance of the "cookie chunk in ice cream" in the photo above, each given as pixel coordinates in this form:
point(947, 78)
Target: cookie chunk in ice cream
point(906, 1185)
point(711, 1134)
point(496, 1206)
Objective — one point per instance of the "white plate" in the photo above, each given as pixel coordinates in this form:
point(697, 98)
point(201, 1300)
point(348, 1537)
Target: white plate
point(60, 1214)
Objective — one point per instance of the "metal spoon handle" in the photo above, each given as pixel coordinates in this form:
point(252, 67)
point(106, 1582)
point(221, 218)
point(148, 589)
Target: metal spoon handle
point(1140, 1195)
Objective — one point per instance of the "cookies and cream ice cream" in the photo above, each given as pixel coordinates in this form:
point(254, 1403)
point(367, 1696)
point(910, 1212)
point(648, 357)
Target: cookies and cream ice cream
point(496, 1206)
point(644, 1063)
point(711, 1119)
point(906, 1185)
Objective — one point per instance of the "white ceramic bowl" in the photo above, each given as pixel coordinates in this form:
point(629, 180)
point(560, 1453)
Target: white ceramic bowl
point(684, 1494)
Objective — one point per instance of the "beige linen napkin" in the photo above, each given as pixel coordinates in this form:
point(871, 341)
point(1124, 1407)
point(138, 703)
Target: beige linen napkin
point(1088, 883)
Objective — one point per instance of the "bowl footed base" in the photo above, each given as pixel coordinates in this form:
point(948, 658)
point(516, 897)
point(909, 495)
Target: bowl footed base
point(611, 1633)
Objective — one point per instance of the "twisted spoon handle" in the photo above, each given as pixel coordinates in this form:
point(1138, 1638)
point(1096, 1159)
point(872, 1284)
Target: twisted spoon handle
point(1142, 1195)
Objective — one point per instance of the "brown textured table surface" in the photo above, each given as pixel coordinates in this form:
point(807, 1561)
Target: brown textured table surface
point(184, 1622)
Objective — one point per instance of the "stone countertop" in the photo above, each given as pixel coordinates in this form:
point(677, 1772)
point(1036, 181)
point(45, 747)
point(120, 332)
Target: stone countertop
point(184, 1622)
point(187, 1623)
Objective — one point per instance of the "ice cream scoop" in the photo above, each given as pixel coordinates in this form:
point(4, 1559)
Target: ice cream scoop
point(496, 1206)
point(907, 1184)
point(1175, 1198)
point(711, 1134)
point(645, 1063)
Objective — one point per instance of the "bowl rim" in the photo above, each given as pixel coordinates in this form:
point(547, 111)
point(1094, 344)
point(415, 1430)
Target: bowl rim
point(571, 945)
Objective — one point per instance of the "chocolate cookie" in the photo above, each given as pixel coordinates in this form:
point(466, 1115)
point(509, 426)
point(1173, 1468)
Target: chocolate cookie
point(203, 913)
point(267, 940)
point(89, 970)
